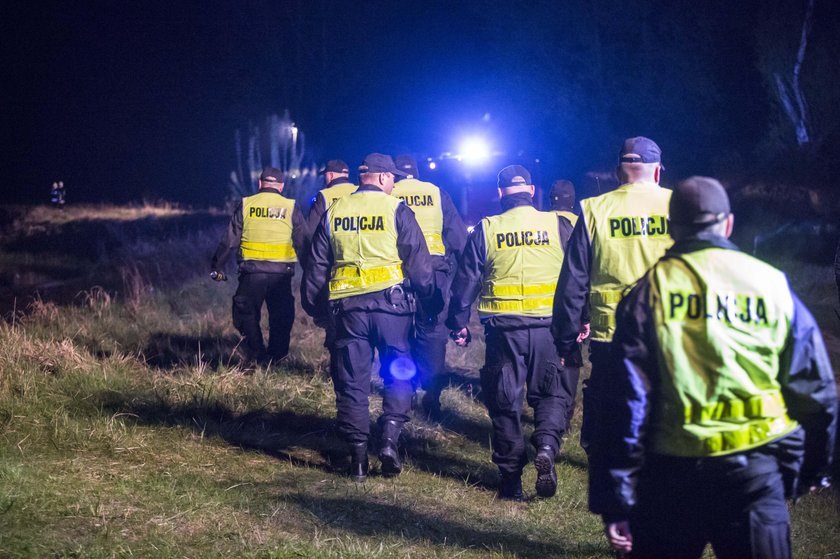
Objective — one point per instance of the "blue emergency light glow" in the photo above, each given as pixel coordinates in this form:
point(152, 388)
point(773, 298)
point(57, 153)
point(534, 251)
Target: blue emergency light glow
point(474, 151)
point(403, 368)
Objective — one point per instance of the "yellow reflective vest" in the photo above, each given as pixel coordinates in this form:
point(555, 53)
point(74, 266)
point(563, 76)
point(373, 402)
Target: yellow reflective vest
point(267, 228)
point(721, 335)
point(363, 234)
point(424, 199)
point(628, 232)
point(333, 193)
point(571, 216)
point(523, 260)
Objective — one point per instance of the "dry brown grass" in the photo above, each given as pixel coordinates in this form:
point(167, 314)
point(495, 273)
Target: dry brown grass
point(128, 429)
point(47, 215)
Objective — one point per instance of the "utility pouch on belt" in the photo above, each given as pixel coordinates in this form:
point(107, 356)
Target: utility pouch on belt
point(398, 297)
point(395, 295)
point(429, 309)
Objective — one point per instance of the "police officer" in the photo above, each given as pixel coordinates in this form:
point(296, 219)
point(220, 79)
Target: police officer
point(57, 194)
point(363, 252)
point(722, 396)
point(268, 230)
point(511, 263)
point(337, 183)
point(563, 199)
point(618, 237)
point(445, 235)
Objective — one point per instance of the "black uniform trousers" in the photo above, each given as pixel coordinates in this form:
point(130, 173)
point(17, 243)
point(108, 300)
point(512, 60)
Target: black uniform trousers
point(275, 290)
point(734, 502)
point(516, 359)
point(431, 336)
point(599, 353)
point(358, 333)
point(593, 413)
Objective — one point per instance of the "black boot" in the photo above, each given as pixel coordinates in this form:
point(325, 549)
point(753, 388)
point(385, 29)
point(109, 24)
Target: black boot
point(431, 405)
point(388, 453)
point(510, 488)
point(546, 485)
point(358, 462)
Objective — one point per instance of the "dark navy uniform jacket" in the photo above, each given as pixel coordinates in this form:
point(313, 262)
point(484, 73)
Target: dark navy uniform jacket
point(230, 243)
point(468, 279)
point(411, 245)
point(808, 387)
point(571, 312)
point(319, 204)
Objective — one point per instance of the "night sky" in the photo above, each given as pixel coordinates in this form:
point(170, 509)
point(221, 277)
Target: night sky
point(140, 100)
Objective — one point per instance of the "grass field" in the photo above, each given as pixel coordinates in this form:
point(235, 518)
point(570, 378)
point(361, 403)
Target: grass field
point(127, 429)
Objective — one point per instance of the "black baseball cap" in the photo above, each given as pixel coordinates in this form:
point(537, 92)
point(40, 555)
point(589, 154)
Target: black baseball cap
point(335, 166)
point(699, 201)
point(271, 174)
point(514, 175)
point(407, 165)
point(640, 150)
point(563, 191)
point(379, 163)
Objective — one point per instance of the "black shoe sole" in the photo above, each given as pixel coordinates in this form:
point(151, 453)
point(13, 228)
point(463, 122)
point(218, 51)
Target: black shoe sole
point(359, 479)
point(546, 485)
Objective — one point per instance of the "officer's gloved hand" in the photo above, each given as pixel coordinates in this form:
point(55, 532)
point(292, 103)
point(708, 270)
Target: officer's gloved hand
point(620, 537)
point(584, 332)
point(462, 337)
point(216, 275)
point(811, 484)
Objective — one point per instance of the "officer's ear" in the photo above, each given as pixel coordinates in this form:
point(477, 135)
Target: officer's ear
point(499, 190)
point(656, 173)
point(531, 189)
point(730, 224)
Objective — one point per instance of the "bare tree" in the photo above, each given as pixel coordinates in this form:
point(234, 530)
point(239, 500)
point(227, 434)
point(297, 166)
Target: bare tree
point(281, 143)
point(782, 44)
point(789, 88)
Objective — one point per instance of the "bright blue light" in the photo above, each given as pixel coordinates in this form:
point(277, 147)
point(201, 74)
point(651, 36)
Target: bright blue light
point(403, 368)
point(474, 151)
